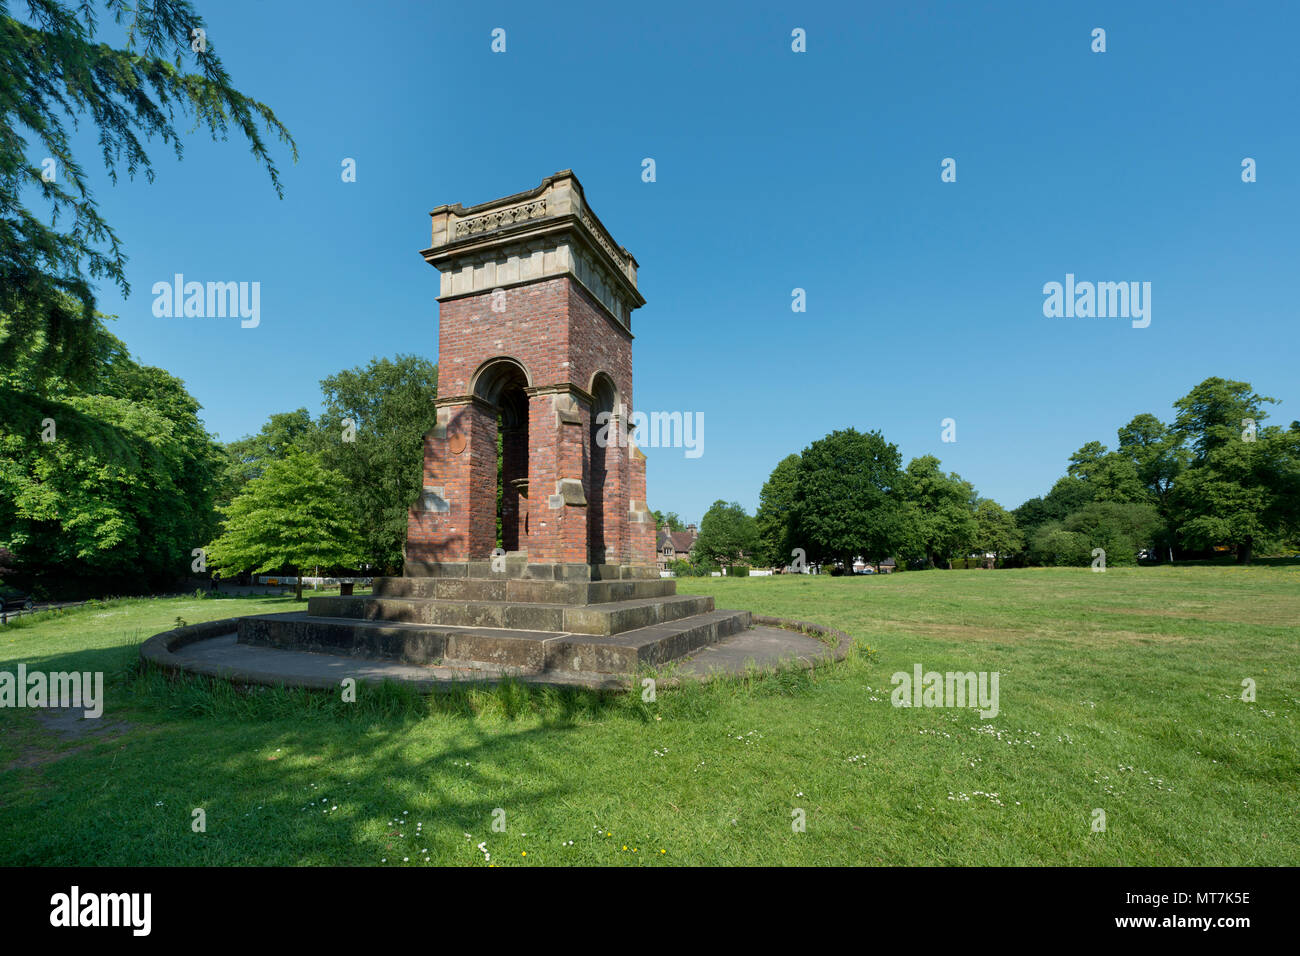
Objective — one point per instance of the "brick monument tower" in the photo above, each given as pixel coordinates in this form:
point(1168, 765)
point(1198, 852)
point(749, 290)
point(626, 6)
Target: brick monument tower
point(534, 344)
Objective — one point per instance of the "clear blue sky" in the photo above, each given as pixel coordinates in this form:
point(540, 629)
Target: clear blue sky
point(775, 170)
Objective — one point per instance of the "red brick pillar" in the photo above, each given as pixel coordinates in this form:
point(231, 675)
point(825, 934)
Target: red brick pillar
point(640, 522)
point(558, 424)
point(455, 516)
point(514, 495)
point(614, 494)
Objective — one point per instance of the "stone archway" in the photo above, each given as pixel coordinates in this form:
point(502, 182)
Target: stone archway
point(500, 383)
point(603, 462)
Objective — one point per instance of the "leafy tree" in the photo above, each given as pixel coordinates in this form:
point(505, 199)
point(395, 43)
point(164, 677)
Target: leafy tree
point(380, 454)
point(294, 516)
point(107, 481)
point(685, 569)
point(1052, 545)
point(1157, 454)
point(1031, 516)
point(54, 66)
point(1085, 462)
point(1243, 483)
point(1120, 529)
point(940, 511)
point(846, 498)
point(995, 530)
point(283, 433)
point(1068, 495)
point(727, 534)
point(670, 521)
point(777, 519)
point(1111, 476)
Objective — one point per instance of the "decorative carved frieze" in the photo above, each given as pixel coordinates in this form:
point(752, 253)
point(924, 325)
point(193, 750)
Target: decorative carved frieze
point(546, 232)
point(501, 217)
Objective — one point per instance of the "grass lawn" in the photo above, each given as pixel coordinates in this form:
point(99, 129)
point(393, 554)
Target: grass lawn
point(1119, 691)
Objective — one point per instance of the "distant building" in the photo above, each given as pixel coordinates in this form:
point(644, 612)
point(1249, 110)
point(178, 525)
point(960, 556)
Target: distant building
point(863, 566)
point(673, 546)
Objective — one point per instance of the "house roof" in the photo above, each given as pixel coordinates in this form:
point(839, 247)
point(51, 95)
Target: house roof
point(680, 540)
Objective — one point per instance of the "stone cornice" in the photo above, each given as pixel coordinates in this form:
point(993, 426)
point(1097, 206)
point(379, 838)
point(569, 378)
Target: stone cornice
point(542, 233)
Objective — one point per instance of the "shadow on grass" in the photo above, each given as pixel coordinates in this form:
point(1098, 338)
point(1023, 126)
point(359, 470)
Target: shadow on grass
point(260, 761)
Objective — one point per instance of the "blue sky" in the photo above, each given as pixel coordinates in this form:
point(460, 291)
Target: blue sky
point(775, 170)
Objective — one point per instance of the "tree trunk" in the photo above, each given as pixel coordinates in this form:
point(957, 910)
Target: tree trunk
point(1244, 550)
point(297, 584)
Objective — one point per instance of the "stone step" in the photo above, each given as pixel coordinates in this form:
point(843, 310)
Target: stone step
point(528, 652)
point(519, 567)
point(644, 647)
point(524, 590)
point(612, 617)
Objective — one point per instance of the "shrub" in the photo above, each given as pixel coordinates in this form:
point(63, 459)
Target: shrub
point(1053, 546)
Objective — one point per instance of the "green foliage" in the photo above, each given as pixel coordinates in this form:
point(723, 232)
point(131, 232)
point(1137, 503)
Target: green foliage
point(727, 533)
point(124, 490)
point(939, 512)
point(777, 517)
point(1216, 477)
point(390, 406)
point(1243, 485)
point(1110, 476)
point(1121, 530)
point(55, 66)
point(1157, 454)
point(670, 521)
point(371, 433)
point(293, 516)
point(1053, 546)
point(996, 532)
point(283, 433)
point(845, 501)
point(687, 569)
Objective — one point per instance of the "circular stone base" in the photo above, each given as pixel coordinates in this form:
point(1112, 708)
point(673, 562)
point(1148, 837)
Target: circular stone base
point(210, 649)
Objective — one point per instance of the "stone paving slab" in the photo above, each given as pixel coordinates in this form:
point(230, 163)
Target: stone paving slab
point(761, 647)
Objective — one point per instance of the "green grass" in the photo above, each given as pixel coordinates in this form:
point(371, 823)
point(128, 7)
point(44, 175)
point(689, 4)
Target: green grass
point(1119, 691)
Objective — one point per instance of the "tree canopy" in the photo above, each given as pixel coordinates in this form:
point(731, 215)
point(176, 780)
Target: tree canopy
point(107, 481)
point(294, 515)
point(56, 68)
point(728, 534)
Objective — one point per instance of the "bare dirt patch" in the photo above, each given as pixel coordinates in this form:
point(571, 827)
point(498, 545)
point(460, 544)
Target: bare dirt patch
point(54, 728)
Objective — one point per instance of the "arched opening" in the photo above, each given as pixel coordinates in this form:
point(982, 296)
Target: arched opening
point(501, 383)
point(604, 444)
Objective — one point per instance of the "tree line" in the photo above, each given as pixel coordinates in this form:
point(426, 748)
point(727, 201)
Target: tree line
point(110, 483)
point(1214, 479)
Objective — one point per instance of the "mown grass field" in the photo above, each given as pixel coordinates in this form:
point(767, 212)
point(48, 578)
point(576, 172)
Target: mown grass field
point(1118, 691)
